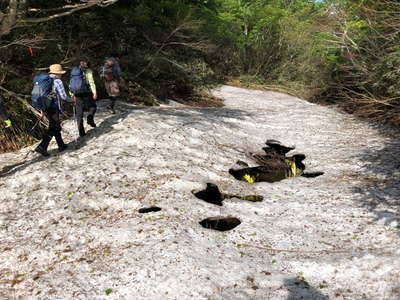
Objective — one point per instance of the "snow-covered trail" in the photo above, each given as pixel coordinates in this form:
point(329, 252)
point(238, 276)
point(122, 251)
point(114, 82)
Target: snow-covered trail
point(69, 227)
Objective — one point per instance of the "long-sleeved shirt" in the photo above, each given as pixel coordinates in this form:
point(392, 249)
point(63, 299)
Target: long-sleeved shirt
point(59, 91)
point(58, 88)
point(90, 80)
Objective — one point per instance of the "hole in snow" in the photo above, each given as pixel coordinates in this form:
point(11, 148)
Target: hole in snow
point(220, 224)
point(211, 194)
point(261, 174)
point(274, 165)
point(253, 198)
point(312, 174)
point(146, 210)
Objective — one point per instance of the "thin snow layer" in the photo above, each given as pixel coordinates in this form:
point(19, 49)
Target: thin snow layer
point(69, 226)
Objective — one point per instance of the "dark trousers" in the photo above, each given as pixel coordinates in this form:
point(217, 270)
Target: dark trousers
point(112, 103)
point(3, 113)
point(54, 129)
point(84, 103)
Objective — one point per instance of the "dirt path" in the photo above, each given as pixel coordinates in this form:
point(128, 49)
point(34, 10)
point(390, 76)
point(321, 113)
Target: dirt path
point(69, 227)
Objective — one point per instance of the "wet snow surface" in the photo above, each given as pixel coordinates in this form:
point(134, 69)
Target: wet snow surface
point(70, 227)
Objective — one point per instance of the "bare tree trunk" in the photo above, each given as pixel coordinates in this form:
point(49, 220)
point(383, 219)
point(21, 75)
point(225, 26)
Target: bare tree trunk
point(9, 19)
point(23, 7)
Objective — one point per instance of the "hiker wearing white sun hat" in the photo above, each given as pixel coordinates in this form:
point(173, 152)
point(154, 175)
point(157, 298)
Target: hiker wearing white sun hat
point(53, 112)
point(56, 69)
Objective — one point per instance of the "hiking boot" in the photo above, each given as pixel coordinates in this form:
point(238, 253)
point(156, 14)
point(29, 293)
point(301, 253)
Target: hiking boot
point(111, 108)
point(42, 151)
point(62, 148)
point(91, 122)
point(81, 130)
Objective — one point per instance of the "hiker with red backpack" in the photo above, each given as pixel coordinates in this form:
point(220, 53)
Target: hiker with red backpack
point(3, 114)
point(47, 96)
point(110, 72)
point(83, 91)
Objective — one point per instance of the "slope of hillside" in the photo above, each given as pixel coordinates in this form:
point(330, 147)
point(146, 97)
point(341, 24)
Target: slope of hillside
point(69, 224)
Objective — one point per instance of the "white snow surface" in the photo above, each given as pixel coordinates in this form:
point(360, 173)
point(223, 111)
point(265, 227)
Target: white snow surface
point(69, 226)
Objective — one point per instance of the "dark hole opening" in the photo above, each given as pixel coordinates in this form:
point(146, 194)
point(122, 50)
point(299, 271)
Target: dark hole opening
point(149, 209)
point(213, 195)
point(312, 174)
point(220, 224)
point(264, 174)
point(260, 174)
point(274, 165)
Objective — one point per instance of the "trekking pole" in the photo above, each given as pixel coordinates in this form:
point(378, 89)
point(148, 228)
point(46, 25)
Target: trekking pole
point(34, 126)
point(76, 122)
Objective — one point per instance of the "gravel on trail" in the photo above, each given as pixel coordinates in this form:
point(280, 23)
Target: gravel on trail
point(70, 226)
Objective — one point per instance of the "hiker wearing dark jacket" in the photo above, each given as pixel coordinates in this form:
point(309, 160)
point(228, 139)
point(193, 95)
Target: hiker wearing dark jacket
point(53, 113)
point(85, 100)
point(110, 72)
point(3, 113)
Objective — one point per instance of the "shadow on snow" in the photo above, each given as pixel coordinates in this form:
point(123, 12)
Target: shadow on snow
point(300, 290)
point(381, 183)
point(185, 115)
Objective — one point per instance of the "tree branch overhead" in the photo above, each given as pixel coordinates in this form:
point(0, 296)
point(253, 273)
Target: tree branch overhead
point(15, 14)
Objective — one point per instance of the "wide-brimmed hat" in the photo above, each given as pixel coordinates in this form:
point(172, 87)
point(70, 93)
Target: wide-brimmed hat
point(56, 69)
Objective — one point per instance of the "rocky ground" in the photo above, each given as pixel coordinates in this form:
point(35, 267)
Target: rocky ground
point(70, 227)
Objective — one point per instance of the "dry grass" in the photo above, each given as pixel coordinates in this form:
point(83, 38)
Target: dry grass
point(290, 88)
point(10, 143)
point(375, 109)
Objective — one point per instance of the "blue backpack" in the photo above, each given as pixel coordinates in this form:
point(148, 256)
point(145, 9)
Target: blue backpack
point(77, 82)
point(42, 92)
